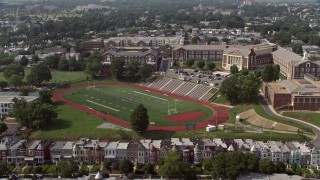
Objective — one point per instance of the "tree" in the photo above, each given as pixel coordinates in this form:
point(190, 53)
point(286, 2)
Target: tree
point(39, 74)
point(230, 88)
point(249, 88)
point(126, 166)
point(190, 62)
point(219, 167)
point(145, 71)
point(208, 164)
point(211, 66)
point(276, 72)
point(45, 96)
point(234, 69)
point(172, 166)
point(93, 64)
point(67, 169)
point(15, 80)
point(4, 169)
point(149, 168)
point(24, 61)
point(63, 64)
point(201, 64)
point(235, 164)
point(139, 119)
point(131, 72)
point(117, 68)
point(35, 59)
point(297, 48)
point(34, 114)
point(13, 69)
point(244, 71)
point(280, 167)
point(252, 162)
point(3, 127)
point(194, 40)
point(52, 61)
point(189, 173)
point(210, 39)
point(107, 164)
point(266, 166)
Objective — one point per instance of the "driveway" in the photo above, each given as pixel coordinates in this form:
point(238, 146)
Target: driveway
point(270, 111)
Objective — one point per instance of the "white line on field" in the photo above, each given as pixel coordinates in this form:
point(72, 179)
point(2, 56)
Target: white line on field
point(150, 95)
point(103, 105)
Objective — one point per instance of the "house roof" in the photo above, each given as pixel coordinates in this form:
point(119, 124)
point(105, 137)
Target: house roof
point(132, 53)
point(287, 55)
point(58, 145)
point(201, 47)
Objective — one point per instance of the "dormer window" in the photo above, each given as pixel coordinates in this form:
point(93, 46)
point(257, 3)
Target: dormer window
point(308, 65)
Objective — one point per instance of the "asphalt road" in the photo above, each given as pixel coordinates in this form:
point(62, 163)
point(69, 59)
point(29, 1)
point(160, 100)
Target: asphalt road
point(273, 113)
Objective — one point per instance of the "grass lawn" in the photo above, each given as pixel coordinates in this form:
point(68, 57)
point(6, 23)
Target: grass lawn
point(119, 101)
point(73, 124)
point(220, 99)
point(310, 117)
point(244, 107)
point(57, 76)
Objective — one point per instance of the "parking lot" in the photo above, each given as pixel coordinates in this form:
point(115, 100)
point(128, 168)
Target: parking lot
point(204, 77)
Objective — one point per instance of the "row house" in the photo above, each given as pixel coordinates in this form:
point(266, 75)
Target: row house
point(192, 151)
point(249, 57)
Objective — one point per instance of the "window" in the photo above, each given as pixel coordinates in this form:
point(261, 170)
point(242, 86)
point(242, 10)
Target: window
point(307, 64)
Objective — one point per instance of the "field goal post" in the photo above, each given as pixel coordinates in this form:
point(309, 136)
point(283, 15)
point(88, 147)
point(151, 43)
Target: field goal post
point(172, 110)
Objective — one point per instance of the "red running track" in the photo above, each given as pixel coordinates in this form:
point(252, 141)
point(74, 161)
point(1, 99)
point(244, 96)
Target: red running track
point(219, 112)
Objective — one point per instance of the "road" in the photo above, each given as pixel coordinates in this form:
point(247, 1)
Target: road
point(270, 111)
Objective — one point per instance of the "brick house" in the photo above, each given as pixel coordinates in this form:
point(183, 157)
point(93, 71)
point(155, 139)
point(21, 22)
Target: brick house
point(249, 57)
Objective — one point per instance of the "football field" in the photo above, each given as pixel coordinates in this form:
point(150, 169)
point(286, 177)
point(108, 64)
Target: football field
point(119, 101)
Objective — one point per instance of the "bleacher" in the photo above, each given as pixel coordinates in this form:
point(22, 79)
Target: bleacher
point(172, 85)
point(192, 90)
point(199, 91)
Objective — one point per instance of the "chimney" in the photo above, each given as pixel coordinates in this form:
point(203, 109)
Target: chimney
point(227, 47)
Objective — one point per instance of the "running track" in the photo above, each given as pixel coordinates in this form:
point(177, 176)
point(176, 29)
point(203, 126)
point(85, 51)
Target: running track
point(220, 112)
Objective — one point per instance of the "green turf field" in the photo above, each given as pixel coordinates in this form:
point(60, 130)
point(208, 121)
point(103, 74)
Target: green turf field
point(119, 101)
point(310, 117)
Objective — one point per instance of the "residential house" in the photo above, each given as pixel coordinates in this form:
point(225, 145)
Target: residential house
point(111, 151)
point(121, 151)
point(5, 145)
point(132, 152)
point(16, 153)
point(55, 151)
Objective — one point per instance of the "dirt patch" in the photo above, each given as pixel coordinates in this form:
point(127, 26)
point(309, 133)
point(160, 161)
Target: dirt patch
point(185, 117)
point(253, 118)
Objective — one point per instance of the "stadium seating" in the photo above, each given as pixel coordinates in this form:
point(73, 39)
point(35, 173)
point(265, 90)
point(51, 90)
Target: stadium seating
point(196, 91)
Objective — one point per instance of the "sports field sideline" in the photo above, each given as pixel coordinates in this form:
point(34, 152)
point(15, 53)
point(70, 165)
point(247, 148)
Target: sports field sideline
point(119, 101)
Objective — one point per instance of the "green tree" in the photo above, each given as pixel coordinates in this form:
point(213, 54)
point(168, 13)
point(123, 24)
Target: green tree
point(212, 39)
point(52, 61)
point(280, 167)
point(34, 114)
point(107, 164)
point(63, 64)
point(189, 173)
point(172, 166)
point(190, 62)
point(13, 69)
point(201, 64)
point(194, 40)
point(93, 64)
point(219, 167)
point(297, 48)
point(211, 65)
point(244, 71)
point(39, 74)
point(145, 71)
point(139, 119)
point(234, 69)
point(249, 88)
point(267, 73)
point(266, 166)
point(230, 88)
point(3, 127)
point(24, 61)
point(207, 164)
point(126, 166)
point(45, 96)
point(131, 72)
point(15, 80)
point(276, 72)
point(4, 169)
point(67, 169)
point(252, 162)
point(235, 164)
point(117, 68)
point(35, 59)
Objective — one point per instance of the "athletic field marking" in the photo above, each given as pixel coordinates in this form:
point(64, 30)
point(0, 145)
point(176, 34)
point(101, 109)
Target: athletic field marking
point(103, 105)
point(150, 95)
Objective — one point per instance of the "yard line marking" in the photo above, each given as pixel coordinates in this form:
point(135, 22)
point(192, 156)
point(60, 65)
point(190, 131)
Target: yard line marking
point(150, 95)
point(103, 105)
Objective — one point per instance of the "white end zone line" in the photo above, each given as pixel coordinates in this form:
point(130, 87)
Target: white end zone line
point(150, 95)
point(103, 105)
